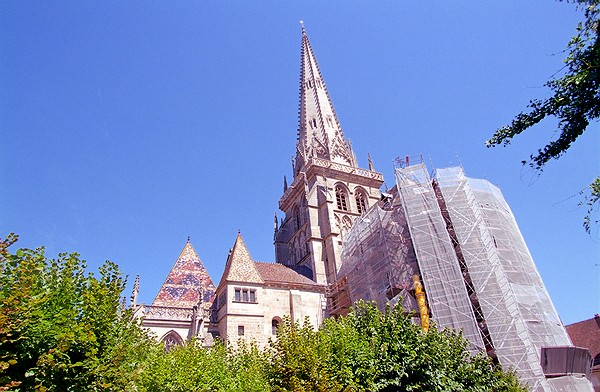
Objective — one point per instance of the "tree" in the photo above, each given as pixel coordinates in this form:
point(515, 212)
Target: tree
point(62, 329)
point(195, 368)
point(371, 350)
point(575, 103)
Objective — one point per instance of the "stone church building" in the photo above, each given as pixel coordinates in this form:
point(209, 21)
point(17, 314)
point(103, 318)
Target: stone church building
point(327, 193)
point(444, 246)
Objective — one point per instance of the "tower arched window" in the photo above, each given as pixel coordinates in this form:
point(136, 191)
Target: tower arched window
point(361, 202)
point(341, 198)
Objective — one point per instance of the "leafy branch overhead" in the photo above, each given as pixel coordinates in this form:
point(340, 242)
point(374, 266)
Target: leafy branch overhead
point(575, 102)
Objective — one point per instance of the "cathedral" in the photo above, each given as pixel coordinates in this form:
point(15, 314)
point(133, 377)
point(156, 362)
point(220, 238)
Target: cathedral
point(443, 246)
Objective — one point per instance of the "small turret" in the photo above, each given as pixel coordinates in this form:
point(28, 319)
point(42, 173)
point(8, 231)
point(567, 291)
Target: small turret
point(135, 292)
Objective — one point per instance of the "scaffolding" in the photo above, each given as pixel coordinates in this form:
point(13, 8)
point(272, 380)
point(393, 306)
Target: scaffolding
point(459, 235)
point(378, 261)
point(510, 295)
point(440, 271)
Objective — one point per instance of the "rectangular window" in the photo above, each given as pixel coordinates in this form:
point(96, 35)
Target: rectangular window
point(245, 295)
point(240, 330)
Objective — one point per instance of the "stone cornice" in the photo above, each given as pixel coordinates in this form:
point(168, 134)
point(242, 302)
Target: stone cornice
point(317, 165)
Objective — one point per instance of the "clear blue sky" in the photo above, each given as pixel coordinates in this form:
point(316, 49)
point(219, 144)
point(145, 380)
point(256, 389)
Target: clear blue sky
point(127, 126)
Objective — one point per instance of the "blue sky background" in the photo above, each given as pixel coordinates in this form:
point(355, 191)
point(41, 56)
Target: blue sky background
point(126, 127)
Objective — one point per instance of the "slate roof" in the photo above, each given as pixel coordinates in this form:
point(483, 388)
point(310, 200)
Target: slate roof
point(587, 334)
point(187, 279)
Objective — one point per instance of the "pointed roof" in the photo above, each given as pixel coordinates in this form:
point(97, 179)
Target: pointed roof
point(319, 132)
point(240, 266)
point(187, 279)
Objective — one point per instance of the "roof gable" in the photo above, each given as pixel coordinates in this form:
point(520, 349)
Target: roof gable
point(240, 266)
point(187, 279)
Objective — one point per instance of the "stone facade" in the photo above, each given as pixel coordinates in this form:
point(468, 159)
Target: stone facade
point(253, 298)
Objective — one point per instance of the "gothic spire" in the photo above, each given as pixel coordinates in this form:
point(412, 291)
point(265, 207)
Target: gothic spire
point(319, 132)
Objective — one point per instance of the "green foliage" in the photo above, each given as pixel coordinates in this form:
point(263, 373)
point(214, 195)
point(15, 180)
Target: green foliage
point(591, 197)
point(373, 351)
point(62, 329)
point(575, 102)
point(193, 368)
point(299, 361)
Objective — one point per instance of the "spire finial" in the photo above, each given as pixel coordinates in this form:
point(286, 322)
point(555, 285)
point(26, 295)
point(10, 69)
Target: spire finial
point(188, 239)
point(302, 24)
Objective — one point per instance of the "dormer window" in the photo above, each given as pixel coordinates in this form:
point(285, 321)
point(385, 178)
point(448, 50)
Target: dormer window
point(341, 198)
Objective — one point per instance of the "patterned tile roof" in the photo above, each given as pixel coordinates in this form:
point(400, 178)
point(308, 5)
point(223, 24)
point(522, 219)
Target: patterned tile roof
point(187, 279)
point(279, 273)
point(240, 266)
point(587, 334)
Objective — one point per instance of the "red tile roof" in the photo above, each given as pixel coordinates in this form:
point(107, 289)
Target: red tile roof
point(586, 334)
point(279, 273)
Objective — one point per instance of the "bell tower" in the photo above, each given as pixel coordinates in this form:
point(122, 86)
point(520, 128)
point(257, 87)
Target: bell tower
point(328, 191)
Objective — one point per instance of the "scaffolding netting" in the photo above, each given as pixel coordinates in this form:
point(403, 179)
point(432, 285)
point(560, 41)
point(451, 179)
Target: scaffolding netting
point(440, 271)
point(378, 260)
point(516, 307)
point(459, 235)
